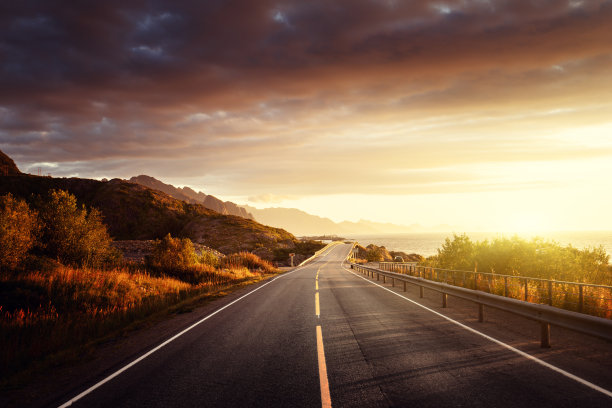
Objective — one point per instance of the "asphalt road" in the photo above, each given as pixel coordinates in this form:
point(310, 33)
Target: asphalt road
point(378, 350)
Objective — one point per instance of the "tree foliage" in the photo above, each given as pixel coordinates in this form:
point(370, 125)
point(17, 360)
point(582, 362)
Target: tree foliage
point(172, 254)
point(18, 230)
point(516, 256)
point(72, 234)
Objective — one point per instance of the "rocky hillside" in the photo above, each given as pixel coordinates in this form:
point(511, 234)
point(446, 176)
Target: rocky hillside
point(7, 166)
point(195, 197)
point(135, 212)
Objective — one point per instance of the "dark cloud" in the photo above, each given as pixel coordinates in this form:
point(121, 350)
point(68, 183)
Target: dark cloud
point(216, 83)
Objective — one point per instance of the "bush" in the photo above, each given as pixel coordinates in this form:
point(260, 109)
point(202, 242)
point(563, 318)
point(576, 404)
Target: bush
point(172, 254)
point(71, 234)
point(210, 259)
point(247, 260)
point(516, 256)
point(18, 230)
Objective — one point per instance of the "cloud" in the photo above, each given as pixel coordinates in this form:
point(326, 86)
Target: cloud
point(300, 97)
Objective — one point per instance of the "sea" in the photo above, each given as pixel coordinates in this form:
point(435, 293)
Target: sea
point(427, 243)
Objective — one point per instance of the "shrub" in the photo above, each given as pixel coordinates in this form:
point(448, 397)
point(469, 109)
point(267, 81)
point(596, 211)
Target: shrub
point(71, 234)
point(516, 256)
point(18, 230)
point(247, 260)
point(208, 258)
point(172, 254)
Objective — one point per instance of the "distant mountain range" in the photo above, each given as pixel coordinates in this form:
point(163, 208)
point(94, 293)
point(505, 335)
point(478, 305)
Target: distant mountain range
point(296, 221)
point(301, 223)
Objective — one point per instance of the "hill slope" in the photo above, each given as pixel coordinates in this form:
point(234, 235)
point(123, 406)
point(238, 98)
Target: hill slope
point(189, 195)
point(133, 211)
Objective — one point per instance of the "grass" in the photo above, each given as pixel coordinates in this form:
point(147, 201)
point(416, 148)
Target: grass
point(56, 312)
point(597, 300)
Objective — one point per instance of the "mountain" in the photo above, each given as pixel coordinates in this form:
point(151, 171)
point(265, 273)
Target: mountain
point(135, 212)
point(188, 195)
point(7, 166)
point(301, 223)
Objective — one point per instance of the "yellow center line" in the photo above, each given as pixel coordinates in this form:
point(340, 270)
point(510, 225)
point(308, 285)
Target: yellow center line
point(317, 308)
point(325, 397)
point(316, 285)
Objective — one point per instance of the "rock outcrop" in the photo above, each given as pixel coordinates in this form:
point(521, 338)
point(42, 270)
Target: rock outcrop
point(7, 166)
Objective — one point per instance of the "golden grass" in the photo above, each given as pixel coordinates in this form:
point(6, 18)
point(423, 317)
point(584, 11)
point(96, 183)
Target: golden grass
point(596, 300)
point(64, 308)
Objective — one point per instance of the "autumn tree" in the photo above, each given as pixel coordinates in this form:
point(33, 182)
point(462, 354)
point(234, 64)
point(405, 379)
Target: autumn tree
point(71, 233)
point(18, 230)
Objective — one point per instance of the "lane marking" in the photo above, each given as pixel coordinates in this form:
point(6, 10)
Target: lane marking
point(499, 342)
point(317, 308)
point(147, 354)
point(323, 381)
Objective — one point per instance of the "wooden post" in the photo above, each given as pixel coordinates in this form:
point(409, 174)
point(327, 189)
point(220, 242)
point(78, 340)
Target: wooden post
point(444, 299)
point(480, 312)
point(545, 339)
point(404, 286)
point(505, 286)
point(550, 293)
point(420, 291)
point(393, 282)
point(384, 278)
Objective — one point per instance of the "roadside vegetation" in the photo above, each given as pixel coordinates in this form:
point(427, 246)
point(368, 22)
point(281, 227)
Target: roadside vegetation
point(62, 284)
point(535, 270)
point(516, 256)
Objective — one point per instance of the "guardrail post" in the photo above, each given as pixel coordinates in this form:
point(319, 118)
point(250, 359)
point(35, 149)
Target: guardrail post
point(580, 298)
point(392, 282)
point(444, 299)
point(550, 293)
point(505, 286)
point(420, 291)
point(377, 276)
point(404, 286)
point(480, 312)
point(526, 290)
point(545, 338)
point(384, 278)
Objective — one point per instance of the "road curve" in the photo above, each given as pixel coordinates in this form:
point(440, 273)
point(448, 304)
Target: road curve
point(266, 349)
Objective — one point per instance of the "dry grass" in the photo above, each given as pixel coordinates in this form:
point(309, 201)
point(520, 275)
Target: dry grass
point(596, 300)
point(43, 313)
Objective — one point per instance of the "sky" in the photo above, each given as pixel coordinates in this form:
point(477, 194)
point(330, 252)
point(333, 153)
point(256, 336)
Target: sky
point(488, 115)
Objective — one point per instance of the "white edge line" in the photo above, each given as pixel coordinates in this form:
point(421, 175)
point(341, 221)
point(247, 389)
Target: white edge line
point(507, 346)
point(147, 354)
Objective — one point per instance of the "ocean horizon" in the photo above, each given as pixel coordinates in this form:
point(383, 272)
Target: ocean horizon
point(427, 243)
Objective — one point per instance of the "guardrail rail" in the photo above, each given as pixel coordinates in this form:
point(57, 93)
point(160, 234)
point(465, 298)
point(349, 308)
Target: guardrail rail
point(595, 300)
point(545, 314)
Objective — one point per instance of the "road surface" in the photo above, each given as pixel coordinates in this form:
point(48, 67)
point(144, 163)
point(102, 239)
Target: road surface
point(321, 335)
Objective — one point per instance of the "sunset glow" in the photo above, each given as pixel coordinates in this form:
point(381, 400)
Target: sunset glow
point(478, 115)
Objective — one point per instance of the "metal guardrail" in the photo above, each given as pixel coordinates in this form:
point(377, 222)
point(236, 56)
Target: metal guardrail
point(545, 314)
point(585, 298)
